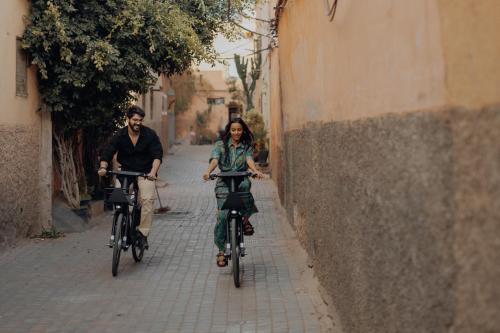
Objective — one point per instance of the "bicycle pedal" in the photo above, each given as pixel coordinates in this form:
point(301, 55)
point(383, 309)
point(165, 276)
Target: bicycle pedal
point(110, 245)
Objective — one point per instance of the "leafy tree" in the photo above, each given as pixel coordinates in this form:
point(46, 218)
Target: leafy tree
point(94, 56)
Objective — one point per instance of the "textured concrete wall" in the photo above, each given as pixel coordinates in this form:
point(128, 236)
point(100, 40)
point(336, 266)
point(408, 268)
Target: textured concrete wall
point(20, 194)
point(400, 214)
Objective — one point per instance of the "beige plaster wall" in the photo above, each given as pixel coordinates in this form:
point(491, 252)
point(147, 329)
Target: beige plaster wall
point(376, 57)
point(471, 48)
point(14, 109)
point(151, 103)
point(276, 122)
point(387, 56)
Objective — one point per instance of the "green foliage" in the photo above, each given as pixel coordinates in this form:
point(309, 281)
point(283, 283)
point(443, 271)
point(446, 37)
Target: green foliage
point(236, 92)
point(93, 55)
point(256, 123)
point(203, 134)
point(202, 118)
point(241, 68)
point(49, 233)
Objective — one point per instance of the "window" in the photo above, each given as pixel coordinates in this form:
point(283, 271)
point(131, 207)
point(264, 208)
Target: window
point(21, 70)
point(215, 101)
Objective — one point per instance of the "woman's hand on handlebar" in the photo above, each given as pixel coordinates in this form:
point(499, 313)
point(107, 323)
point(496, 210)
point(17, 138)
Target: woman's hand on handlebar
point(102, 172)
point(258, 174)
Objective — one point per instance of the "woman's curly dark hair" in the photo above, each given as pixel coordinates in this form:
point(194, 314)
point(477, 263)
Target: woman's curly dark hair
point(246, 137)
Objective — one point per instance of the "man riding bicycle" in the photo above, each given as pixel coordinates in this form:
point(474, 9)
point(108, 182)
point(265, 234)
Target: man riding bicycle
point(139, 149)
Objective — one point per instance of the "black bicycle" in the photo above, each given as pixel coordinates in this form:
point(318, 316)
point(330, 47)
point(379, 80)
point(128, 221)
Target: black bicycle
point(124, 232)
point(235, 246)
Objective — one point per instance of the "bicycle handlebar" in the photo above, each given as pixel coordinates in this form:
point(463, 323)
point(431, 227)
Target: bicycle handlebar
point(230, 174)
point(126, 173)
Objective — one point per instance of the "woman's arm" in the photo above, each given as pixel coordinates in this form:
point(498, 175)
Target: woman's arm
point(253, 168)
point(211, 167)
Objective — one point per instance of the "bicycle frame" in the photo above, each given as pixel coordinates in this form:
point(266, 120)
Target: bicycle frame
point(122, 203)
point(234, 204)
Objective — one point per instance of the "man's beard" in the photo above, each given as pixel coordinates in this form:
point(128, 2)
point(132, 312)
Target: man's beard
point(135, 128)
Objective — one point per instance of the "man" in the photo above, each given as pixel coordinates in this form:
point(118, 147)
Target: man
point(139, 150)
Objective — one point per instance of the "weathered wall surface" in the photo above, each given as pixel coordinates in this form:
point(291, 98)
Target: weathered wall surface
point(388, 129)
point(20, 196)
point(400, 214)
point(276, 122)
point(25, 138)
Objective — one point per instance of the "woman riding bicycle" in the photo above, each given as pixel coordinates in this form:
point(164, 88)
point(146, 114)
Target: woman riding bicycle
point(232, 153)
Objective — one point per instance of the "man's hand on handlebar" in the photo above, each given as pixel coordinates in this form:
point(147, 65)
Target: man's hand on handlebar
point(151, 176)
point(206, 176)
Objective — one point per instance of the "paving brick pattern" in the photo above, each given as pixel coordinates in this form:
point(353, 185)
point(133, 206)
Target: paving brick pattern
point(65, 284)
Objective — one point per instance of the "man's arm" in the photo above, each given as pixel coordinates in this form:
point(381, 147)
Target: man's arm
point(156, 151)
point(154, 169)
point(107, 155)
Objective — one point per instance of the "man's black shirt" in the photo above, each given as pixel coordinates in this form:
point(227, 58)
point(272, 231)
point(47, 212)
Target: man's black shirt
point(139, 158)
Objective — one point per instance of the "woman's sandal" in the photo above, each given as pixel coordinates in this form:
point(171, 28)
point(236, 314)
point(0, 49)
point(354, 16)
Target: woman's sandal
point(247, 228)
point(221, 259)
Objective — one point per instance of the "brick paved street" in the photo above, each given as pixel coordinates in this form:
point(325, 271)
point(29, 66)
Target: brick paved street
point(65, 285)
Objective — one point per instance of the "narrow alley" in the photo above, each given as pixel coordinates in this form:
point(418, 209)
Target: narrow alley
point(65, 284)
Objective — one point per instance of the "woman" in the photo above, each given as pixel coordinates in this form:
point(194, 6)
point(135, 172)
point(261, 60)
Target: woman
point(232, 153)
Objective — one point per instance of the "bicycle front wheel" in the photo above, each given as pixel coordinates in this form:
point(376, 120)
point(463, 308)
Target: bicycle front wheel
point(119, 222)
point(235, 252)
point(137, 241)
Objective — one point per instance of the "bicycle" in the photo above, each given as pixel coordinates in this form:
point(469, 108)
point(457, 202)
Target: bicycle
point(235, 246)
point(124, 232)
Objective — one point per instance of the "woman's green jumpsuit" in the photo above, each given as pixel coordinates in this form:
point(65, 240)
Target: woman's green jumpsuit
point(238, 156)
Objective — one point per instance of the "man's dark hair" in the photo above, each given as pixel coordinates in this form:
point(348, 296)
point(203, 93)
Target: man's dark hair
point(134, 109)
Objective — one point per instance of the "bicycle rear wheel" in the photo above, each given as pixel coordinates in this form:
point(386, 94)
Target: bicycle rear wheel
point(235, 252)
point(119, 222)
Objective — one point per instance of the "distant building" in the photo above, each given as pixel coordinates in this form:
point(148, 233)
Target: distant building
point(209, 108)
